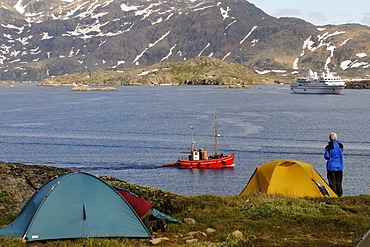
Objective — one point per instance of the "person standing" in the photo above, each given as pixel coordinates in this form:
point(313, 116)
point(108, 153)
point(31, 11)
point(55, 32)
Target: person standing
point(334, 165)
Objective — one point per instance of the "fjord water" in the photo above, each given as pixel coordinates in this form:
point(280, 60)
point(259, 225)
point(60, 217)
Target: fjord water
point(130, 133)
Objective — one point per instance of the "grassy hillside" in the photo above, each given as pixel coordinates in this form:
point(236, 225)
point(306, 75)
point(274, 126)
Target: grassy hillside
point(260, 219)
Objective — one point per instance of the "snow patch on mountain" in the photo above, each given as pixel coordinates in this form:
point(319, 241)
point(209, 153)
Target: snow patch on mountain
point(126, 8)
point(361, 55)
point(20, 7)
point(201, 52)
point(45, 36)
point(250, 32)
point(323, 40)
point(136, 60)
point(225, 12)
point(169, 53)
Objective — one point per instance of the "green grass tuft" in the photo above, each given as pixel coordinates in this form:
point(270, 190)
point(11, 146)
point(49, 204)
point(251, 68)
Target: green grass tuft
point(271, 207)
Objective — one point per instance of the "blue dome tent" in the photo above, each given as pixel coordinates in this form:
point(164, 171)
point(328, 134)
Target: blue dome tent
point(76, 205)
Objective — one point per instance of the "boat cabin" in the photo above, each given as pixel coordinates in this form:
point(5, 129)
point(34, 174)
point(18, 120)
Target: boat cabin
point(198, 154)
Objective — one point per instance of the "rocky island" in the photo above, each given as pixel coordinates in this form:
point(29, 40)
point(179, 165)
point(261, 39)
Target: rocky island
point(88, 88)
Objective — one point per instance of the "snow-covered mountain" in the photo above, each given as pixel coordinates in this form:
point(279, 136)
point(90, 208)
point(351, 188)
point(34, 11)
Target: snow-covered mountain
point(42, 38)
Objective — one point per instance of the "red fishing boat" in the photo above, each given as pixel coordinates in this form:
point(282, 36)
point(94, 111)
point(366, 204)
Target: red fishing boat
point(198, 158)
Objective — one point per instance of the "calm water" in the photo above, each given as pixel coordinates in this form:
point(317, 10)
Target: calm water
point(129, 134)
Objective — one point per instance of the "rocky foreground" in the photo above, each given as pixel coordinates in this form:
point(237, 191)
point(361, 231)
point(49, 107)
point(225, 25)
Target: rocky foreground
point(208, 220)
point(22, 181)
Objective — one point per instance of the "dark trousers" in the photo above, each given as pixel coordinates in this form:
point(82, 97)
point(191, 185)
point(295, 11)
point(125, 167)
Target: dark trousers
point(335, 181)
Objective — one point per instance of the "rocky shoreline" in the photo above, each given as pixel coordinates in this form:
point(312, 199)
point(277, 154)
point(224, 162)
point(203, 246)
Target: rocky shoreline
point(358, 84)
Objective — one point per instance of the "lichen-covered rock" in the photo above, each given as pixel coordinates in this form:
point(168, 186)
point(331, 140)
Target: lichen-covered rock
point(210, 230)
point(237, 235)
point(156, 241)
point(22, 181)
point(189, 221)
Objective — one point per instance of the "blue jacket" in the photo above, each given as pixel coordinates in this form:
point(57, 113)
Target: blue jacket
point(334, 156)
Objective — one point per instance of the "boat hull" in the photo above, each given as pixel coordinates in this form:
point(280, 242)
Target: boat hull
point(224, 162)
point(316, 89)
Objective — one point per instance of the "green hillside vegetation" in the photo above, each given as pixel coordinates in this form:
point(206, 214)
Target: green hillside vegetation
point(198, 71)
point(262, 220)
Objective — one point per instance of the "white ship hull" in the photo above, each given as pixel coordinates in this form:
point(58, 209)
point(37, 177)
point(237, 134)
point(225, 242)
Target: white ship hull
point(316, 89)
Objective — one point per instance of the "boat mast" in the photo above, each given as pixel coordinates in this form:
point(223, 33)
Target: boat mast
point(192, 139)
point(216, 135)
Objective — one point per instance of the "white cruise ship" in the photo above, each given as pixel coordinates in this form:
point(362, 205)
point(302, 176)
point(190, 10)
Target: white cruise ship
point(327, 83)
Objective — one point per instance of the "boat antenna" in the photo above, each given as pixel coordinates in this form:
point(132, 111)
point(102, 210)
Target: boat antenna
point(192, 138)
point(216, 135)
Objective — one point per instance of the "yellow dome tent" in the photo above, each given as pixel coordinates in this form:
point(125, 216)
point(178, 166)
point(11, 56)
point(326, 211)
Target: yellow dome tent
point(289, 178)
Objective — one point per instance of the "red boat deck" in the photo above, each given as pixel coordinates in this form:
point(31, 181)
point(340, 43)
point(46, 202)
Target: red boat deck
point(222, 162)
point(199, 158)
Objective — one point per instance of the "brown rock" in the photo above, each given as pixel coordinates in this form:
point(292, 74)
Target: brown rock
point(190, 241)
point(156, 241)
point(189, 221)
point(210, 230)
point(237, 234)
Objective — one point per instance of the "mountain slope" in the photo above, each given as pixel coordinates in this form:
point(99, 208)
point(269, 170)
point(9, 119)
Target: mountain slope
point(43, 38)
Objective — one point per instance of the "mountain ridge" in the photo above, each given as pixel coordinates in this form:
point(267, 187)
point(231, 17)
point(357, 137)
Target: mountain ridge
point(41, 39)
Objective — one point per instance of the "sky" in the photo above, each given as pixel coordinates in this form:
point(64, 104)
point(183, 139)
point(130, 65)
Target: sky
point(318, 12)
